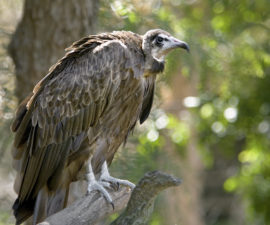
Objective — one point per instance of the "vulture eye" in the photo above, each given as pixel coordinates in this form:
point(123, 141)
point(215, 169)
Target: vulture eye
point(159, 40)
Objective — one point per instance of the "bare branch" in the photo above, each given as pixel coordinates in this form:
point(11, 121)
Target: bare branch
point(140, 205)
point(90, 209)
point(93, 208)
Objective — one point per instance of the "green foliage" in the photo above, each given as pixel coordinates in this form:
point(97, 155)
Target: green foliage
point(8, 14)
point(5, 218)
point(179, 132)
point(230, 53)
point(234, 94)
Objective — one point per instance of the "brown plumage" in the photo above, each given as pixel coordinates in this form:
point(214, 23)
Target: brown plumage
point(86, 105)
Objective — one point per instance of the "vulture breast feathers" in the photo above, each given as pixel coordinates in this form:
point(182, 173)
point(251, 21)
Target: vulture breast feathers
point(67, 105)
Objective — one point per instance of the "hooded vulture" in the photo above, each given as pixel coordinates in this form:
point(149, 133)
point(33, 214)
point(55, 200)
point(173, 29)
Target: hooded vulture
point(80, 113)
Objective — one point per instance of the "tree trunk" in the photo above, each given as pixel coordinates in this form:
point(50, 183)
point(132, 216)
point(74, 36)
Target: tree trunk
point(46, 29)
point(185, 203)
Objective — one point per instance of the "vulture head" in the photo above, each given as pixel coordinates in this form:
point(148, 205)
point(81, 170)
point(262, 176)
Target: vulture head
point(158, 43)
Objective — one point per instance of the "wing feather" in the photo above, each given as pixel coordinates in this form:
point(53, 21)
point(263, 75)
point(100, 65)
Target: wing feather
point(147, 99)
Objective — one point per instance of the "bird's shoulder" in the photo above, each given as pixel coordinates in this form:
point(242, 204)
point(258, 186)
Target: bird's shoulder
point(97, 53)
point(82, 82)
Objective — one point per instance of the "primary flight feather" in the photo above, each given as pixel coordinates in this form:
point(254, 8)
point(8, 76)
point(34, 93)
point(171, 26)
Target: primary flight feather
point(84, 108)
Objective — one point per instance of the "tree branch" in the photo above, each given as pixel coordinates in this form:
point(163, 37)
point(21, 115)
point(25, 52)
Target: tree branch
point(90, 209)
point(140, 205)
point(93, 208)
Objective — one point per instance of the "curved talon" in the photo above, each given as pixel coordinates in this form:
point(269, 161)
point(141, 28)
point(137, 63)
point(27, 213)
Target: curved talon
point(112, 205)
point(117, 186)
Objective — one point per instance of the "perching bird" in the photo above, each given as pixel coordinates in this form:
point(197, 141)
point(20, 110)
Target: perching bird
point(80, 113)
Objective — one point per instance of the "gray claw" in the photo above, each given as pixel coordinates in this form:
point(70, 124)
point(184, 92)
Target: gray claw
point(115, 182)
point(112, 205)
point(94, 185)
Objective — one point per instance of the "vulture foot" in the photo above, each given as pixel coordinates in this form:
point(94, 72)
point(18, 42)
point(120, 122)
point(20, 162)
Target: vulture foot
point(94, 185)
point(105, 181)
point(115, 182)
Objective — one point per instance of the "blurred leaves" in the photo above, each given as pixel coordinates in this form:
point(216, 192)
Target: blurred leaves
point(230, 53)
point(9, 15)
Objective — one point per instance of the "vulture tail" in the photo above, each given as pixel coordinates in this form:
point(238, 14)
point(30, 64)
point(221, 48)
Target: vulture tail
point(22, 211)
point(41, 207)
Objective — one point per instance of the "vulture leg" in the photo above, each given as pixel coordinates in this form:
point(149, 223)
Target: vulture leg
point(106, 177)
point(94, 185)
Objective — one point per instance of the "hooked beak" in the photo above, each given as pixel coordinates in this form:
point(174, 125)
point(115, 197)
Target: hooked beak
point(179, 44)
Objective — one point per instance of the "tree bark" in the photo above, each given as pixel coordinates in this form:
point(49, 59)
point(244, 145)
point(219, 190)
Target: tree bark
point(141, 203)
point(46, 29)
point(90, 209)
point(93, 208)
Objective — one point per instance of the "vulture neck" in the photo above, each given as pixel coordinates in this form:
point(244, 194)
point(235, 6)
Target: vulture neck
point(152, 65)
